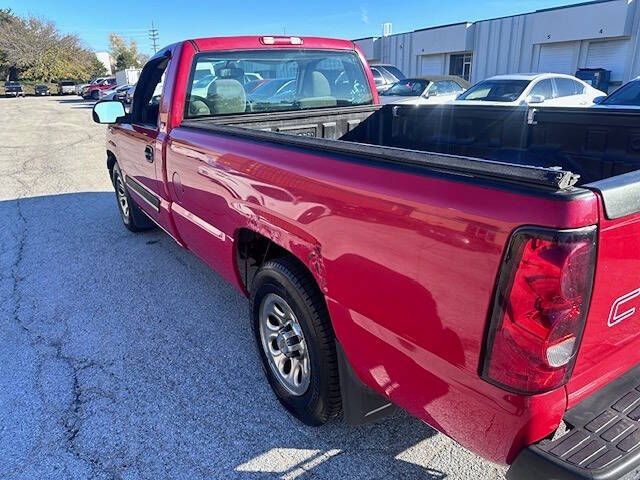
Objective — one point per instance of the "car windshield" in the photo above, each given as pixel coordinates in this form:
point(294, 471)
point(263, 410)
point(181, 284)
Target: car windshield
point(66, 84)
point(496, 90)
point(11, 84)
point(294, 79)
point(628, 94)
point(407, 88)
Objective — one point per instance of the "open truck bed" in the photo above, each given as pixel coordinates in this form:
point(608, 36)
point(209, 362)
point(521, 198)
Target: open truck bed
point(552, 147)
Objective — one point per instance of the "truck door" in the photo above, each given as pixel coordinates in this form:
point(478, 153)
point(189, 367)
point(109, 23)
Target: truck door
point(140, 144)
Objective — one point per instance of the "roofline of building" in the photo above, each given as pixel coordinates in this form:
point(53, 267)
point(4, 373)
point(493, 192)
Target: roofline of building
point(582, 4)
point(550, 9)
point(441, 26)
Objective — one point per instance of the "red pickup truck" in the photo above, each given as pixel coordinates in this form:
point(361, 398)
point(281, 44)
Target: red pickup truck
point(95, 88)
point(472, 265)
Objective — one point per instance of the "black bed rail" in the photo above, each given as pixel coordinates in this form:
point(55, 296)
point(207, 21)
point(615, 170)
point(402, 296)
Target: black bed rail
point(551, 177)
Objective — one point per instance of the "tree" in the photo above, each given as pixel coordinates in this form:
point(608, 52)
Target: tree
point(33, 48)
point(96, 68)
point(126, 56)
point(5, 17)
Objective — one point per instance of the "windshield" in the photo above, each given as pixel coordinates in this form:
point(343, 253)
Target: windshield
point(496, 91)
point(293, 80)
point(407, 88)
point(66, 84)
point(629, 94)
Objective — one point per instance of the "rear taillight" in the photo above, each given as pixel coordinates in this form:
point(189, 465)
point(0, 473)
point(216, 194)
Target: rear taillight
point(539, 309)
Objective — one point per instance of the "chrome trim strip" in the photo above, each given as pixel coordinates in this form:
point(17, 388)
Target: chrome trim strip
point(199, 222)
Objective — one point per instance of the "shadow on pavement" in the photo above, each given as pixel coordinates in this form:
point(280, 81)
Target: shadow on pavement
point(124, 356)
point(76, 102)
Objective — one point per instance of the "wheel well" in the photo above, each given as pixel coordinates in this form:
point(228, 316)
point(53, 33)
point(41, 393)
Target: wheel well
point(254, 250)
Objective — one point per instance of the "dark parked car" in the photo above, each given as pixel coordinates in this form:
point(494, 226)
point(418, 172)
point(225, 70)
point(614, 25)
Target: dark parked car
point(627, 96)
point(42, 90)
point(13, 89)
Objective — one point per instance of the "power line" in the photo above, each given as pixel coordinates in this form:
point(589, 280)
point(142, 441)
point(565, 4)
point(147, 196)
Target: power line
point(153, 36)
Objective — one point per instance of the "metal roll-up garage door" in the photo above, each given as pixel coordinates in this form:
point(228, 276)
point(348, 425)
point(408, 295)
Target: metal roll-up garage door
point(431, 64)
point(610, 55)
point(557, 58)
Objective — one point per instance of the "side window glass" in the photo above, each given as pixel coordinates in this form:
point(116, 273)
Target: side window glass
point(388, 77)
point(579, 88)
point(146, 101)
point(377, 76)
point(565, 87)
point(543, 88)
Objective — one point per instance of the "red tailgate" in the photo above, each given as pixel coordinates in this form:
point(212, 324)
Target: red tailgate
point(611, 342)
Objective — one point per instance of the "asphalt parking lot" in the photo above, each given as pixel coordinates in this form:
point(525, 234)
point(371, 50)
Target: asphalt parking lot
point(123, 356)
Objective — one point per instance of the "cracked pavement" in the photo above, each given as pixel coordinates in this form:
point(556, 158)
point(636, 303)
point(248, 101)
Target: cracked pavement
point(123, 356)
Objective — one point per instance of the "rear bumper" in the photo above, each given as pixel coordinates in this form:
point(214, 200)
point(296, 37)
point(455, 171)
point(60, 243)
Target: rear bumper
point(603, 442)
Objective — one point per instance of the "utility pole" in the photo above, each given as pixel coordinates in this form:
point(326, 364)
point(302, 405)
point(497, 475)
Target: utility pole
point(153, 36)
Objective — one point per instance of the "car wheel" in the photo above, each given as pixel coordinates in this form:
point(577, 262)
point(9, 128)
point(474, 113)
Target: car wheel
point(95, 95)
point(132, 216)
point(295, 341)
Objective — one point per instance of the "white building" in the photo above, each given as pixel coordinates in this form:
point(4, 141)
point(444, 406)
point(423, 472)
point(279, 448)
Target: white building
point(105, 59)
point(598, 34)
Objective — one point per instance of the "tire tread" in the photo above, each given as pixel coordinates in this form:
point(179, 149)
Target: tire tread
point(307, 288)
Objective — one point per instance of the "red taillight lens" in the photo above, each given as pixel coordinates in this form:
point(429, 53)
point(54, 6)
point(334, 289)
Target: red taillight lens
point(539, 308)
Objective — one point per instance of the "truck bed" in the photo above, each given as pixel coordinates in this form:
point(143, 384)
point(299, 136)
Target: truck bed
point(552, 147)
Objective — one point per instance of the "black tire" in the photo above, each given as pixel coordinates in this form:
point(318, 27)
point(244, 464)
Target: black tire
point(133, 219)
point(95, 95)
point(288, 278)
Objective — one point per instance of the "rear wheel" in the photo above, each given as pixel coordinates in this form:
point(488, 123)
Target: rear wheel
point(132, 217)
point(295, 340)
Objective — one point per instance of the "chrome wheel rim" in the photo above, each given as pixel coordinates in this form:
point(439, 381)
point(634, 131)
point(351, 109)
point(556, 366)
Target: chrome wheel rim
point(122, 198)
point(284, 345)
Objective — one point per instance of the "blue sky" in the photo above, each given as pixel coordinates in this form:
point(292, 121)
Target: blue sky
point(93, 21)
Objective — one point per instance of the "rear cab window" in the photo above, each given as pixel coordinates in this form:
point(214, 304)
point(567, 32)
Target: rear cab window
point(289, 80)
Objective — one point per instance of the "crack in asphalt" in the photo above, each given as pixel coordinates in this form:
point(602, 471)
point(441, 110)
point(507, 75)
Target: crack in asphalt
point(74, 415)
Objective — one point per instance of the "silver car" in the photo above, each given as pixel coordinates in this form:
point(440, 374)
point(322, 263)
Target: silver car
point(66, 87)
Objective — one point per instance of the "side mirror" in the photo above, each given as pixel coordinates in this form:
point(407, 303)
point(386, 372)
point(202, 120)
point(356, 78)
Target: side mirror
point(535, 99)
point(599, 99)
point(108, 111)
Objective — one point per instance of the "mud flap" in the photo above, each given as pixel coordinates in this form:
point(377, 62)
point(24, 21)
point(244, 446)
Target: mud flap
point(360, 404)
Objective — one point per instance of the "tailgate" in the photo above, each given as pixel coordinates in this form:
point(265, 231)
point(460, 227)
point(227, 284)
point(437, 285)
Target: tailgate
point(611, 341)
